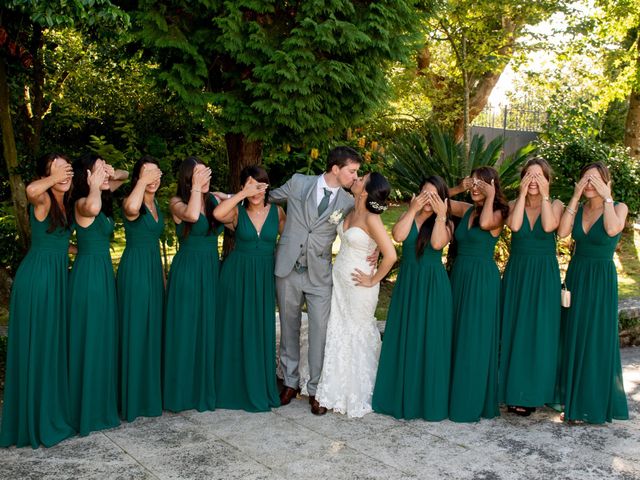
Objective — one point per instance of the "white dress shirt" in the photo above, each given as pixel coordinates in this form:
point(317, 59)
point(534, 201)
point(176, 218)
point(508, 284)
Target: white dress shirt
point(320, 186)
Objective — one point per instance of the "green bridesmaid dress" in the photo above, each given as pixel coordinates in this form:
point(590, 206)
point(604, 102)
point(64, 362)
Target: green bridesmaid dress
point(190, 320)
point(93, 344)
point(36, 393)
point(475, 288)
point(591, 374)
point(530, 318)
point(140, 287)
point(415, 361)
point(245, 363)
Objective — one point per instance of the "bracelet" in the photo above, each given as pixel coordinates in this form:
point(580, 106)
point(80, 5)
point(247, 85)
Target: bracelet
point(441, 218)
point(196, 190)
point(229, 196)
point(570, 210)
point(546, 199)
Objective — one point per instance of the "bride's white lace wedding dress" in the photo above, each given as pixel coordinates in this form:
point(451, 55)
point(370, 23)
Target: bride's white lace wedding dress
point(353, 341)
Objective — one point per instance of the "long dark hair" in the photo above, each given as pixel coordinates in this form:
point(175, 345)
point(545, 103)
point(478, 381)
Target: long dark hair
point(135, 174)
point(378, 190)
point(58, 217)
point(259, 174)
point(81, 186)
point(185, 174)
point(424, 235)
point(486, 174)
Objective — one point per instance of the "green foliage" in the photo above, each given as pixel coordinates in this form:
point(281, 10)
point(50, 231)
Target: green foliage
point(567, 156)
point(430, 151)
point(275, 71)
point(10, 251)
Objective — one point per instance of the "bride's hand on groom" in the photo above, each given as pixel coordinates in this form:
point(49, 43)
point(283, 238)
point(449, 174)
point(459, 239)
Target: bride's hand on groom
point(361, 279)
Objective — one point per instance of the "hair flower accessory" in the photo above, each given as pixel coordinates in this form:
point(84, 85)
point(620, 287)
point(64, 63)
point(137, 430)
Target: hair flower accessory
point(378, 207)
point(335, 217)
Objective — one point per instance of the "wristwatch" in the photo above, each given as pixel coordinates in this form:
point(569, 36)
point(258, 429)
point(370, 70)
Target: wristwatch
point(608, 200)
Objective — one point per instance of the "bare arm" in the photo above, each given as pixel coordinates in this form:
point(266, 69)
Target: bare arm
point(403, 226)
point(190, 211)
point(131, 205)
point(463, 186)
point(517, 208)
point(458, 209)
point(385, 245)
point(551, 211)
point(282, 219)
point(116, 177)
point(441, 233)
point(614, 215)
point(87, 208)
point(569, 214)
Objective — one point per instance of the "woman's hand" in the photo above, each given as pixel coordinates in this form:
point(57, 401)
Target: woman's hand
point(149, 173)
point(488, 189)
point(467, 183)
point(603, 189)
point(580, 186)
point(201, 177)
point(524, 184)
point(253, 187)
point(60, 170)
point(418, 202)
point(361, 279)
point(98, 176)
point(543, 185)
point(439, 207)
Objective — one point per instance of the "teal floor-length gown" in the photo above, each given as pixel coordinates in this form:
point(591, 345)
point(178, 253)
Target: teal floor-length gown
point(591, 373)
point(140, 287)
point(475, 288)
point(36, 396)
point(190, 320)
point(93, 344)
point(415, 361)
point(530, 318)
point(246, 338)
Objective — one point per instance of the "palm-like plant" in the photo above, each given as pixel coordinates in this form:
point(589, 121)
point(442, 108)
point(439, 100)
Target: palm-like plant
point(418, 154)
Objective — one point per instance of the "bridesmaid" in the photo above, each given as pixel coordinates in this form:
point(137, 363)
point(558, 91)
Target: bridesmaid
point(190, 316)
point(140, 288)
point(245, 366)
point(475, 287)
point(414, 370)
point(591, 374)
point(93, 346)
point(531, 295)
point(35, 408)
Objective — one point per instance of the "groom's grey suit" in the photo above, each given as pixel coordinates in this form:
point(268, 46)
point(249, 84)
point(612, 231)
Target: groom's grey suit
point(303, 272)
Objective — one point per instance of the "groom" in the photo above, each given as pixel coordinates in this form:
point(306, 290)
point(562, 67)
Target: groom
point(315, 206)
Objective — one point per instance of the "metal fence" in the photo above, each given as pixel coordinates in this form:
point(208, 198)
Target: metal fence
point(523, 118)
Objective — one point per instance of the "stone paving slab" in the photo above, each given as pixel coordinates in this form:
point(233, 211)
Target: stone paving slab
point(290, 442)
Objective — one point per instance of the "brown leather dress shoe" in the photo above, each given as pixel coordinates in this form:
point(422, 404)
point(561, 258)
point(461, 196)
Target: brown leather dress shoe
point(316, 409)
point(287, 395)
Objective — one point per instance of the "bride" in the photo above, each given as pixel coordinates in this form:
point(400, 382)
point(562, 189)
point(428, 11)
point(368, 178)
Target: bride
point(353, 342)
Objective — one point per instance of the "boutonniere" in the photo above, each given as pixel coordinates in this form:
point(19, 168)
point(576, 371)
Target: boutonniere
point(335, 217)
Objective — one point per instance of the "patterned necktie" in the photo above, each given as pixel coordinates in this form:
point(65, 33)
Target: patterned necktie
point(324, 203)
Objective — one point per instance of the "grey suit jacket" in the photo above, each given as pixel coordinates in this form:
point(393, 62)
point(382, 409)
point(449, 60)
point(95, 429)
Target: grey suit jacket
point(305, 232)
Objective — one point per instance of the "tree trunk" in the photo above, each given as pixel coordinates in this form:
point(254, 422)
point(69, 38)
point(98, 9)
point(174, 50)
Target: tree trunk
point(10, 152)
point(38, 91)
point(632, 122)
point(241, 153)
point(477, 101)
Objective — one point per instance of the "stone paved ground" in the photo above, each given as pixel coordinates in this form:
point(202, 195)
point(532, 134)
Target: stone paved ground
point(289, 442)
